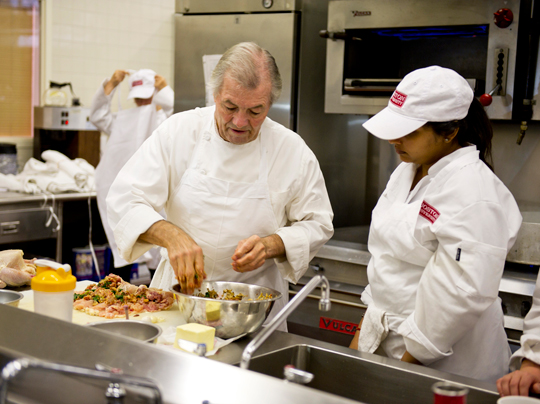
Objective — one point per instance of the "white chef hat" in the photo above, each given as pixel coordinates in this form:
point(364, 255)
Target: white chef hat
point(431, 94)
point(141, 84)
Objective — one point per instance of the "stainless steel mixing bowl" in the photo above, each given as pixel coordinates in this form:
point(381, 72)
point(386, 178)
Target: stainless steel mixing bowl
point(230, 318)
point(140, 330)
point(10, 297)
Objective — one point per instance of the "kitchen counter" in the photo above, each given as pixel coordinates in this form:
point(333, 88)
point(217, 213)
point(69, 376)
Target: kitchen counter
point(185, 378)
point(9, 197)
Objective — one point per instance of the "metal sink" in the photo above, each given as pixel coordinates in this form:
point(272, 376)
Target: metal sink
point(356, 378)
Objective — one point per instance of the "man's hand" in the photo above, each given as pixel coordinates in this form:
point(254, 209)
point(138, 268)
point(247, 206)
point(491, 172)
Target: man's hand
point(407, 357)
point(354, 342)
point(519, 383)
point(185, 255)
point(159, 82)
point(252, 252)
point(117, 77)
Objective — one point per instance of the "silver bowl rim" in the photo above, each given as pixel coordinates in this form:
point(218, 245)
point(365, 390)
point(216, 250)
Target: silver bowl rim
point(277, 295)
point(19, 294)
point(152, 325)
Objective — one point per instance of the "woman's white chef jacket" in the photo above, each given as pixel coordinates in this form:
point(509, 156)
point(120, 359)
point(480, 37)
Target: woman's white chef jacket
point(187, 150)
point(438, 255)
point(530, 340)
point(127, 130)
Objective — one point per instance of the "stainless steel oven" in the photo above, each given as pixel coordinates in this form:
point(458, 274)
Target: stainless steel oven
point(372, 44)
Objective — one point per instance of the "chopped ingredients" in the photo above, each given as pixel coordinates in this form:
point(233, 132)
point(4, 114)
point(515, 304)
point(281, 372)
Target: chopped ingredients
point(108, 297)
point(265, 296)
point(228, 294)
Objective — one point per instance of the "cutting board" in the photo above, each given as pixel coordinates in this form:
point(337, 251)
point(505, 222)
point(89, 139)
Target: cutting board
point(166, 318)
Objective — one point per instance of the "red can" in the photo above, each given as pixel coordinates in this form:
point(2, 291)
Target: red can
point(449, 393)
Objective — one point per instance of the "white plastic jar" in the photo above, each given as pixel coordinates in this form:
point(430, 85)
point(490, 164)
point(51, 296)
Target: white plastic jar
point(53, 288)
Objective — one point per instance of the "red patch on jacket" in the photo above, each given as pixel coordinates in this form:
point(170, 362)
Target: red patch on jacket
point(429, 212)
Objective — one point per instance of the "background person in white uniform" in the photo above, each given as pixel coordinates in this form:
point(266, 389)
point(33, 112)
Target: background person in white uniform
point(527, 358)
point(127, 130)
point(244, 196)
point(439, 234)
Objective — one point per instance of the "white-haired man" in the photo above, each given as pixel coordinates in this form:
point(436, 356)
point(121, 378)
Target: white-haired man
point(244, 196)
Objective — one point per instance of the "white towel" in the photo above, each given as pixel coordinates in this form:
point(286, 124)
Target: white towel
point(54, 156)
point(16, 183)
point(34, 166)
point(374, 329)
point(81, 176)
point(85, 165)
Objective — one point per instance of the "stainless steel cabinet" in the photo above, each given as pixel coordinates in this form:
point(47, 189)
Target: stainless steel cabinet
point(209, 34)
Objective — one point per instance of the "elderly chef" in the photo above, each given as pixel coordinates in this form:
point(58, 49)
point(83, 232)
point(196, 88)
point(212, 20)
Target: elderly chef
point(245, 199)
point(127, 130)
point(527, 358)
point(439, 234)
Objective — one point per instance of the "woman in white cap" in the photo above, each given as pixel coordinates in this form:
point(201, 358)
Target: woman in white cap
point(439, 234)
point(127, 130)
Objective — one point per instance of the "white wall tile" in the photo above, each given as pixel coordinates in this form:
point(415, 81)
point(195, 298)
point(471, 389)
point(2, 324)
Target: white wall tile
point(92, 38)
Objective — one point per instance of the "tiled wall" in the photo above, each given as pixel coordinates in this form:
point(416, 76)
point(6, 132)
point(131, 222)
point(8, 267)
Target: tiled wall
point(89, 39)
point(85, 41)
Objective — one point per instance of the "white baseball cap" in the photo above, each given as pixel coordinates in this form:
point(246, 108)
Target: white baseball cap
point(431, 94)
point(141, 84)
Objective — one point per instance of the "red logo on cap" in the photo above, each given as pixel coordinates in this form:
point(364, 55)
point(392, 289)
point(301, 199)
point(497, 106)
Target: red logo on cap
point(136, 83)
point(398, 98)
point(429, 212)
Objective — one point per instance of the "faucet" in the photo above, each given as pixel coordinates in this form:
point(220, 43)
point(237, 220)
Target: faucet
point(324, 305)
point(115, 392)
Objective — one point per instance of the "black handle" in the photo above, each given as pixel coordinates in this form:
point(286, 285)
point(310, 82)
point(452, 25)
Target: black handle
point(333, 35)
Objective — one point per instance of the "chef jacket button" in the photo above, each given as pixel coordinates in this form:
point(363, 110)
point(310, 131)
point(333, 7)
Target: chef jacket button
point(203, 172)
point(207, 137)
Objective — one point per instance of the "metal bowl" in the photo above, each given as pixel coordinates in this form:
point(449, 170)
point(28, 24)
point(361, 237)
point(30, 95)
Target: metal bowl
point(139, 330)
point(230, 318)
point(10, 297)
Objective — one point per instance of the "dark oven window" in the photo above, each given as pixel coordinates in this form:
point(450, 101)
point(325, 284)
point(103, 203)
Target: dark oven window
point(376, 59)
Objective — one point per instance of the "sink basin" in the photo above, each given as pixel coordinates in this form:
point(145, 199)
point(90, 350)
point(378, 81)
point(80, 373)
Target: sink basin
point(357, 378)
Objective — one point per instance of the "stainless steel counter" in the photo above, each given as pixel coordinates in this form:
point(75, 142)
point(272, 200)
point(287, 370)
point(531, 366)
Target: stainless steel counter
point(184, 378)
point(17, 197)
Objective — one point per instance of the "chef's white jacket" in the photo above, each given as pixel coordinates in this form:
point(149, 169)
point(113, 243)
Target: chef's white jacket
point(530, 340)
point(438, 255)
point(298, 194)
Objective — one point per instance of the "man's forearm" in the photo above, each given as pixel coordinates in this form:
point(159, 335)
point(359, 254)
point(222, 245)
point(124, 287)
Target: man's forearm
point(274, 246)
point(161, 233)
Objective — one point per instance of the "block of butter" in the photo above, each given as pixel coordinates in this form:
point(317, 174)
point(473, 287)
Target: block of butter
point(198, 333)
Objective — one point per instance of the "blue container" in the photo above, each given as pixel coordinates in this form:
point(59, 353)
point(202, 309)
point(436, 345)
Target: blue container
point(83, 264)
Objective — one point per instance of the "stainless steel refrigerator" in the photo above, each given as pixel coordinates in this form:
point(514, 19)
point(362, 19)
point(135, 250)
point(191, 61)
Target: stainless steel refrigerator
point(210, 27)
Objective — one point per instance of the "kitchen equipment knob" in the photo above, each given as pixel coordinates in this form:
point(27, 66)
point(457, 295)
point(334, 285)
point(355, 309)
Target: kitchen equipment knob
point(487, 99)
point(503, 17)
point(316, 268)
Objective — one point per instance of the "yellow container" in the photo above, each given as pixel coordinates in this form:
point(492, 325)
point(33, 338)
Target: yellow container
point(53, 288)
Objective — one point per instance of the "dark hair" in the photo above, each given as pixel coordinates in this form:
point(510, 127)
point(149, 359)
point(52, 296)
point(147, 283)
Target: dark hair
point(475, 129)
